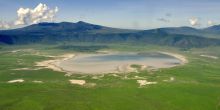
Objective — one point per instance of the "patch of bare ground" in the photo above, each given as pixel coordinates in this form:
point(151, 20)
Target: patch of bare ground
point(27, 69)
point(98, 76)
point(37, 81)
point(82, 83)
point(169, 80)
point(145, 82)
point(16, 81)
point(209, 56)
point(77, 82)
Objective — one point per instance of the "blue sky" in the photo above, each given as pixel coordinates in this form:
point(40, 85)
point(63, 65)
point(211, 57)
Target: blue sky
point(137, 14)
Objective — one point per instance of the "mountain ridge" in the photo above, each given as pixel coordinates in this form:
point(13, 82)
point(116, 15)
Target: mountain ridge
point(184, 37)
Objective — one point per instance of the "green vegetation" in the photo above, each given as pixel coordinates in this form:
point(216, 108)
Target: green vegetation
point(196, 85)
point(136, 66)
point(54, 33)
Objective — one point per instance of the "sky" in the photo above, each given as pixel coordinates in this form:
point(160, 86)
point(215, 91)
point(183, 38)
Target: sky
point(131, 14)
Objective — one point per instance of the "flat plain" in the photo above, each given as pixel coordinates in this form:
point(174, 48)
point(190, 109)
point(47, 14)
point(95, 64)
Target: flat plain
point(193, 86)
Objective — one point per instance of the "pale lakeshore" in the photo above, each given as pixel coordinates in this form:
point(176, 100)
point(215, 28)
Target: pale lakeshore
point(178, 56)
point(53, 64)
point(57, 63)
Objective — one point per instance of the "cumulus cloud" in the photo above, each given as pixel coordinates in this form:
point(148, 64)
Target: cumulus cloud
point(4, 25)
point(194, 21)
point(163, 20)
point(210, 23)
point(27, 16)
point(40, 13)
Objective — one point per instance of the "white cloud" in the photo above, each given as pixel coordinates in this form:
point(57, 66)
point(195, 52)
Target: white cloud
point(27, 16)
point(210, 23)
point(194, 21)
point(4, 25)
point(41, 13)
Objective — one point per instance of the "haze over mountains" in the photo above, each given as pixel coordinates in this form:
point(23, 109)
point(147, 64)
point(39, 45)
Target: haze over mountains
point(52, 33)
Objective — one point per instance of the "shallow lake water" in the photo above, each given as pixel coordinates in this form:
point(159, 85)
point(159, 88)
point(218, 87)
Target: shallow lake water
point(107, 63)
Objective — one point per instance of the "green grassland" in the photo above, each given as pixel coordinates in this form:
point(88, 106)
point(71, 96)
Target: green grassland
point(196, 85)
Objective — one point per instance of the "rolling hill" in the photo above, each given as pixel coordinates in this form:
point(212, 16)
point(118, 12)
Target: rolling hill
point(52, 33)
point(209, 32)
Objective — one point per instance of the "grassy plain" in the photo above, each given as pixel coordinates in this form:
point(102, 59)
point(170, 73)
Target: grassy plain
point(196, 85)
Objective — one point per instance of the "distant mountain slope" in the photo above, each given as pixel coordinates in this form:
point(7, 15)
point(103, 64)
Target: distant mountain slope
point(65, 27)
point(210, 32)
point(84, 32)
point(213, 29)
point(180, 30)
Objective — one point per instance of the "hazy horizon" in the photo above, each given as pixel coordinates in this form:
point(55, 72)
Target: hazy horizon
point(129, 14)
